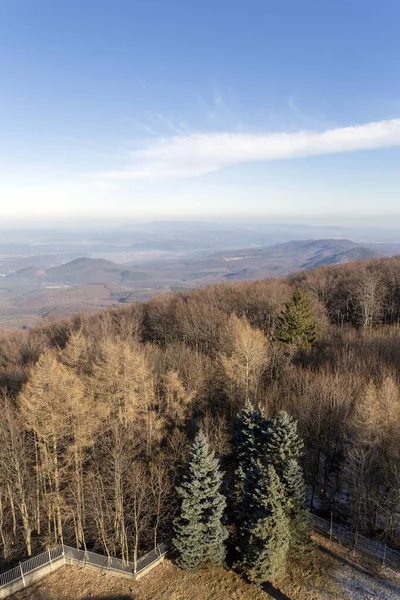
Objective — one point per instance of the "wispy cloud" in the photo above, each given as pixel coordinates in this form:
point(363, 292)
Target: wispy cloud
point(193, 155)
point(140, 82)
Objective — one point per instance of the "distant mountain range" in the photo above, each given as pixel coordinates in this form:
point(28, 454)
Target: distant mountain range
point(248, 263)
point(88, 283)
point(268, 261)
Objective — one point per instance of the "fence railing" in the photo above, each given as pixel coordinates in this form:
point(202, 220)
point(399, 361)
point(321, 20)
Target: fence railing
point(110, 563)
point(380, 552)
point(32, 564)
point(64, 553)
point(385, 555)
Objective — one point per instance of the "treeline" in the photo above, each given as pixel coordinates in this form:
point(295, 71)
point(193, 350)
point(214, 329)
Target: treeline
point(98, 412)
point(362, 294)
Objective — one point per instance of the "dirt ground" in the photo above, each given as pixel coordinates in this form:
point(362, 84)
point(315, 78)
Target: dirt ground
point(329, 572)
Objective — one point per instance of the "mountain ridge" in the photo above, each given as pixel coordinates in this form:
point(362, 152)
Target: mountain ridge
point(91, 283)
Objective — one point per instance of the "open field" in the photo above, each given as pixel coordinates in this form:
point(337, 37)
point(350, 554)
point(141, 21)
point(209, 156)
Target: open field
point(329, 573)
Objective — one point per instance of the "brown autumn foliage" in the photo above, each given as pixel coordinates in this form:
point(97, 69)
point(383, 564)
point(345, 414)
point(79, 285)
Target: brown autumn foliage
point(97, 412)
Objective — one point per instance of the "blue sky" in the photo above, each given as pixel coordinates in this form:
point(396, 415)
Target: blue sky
point(125, 110)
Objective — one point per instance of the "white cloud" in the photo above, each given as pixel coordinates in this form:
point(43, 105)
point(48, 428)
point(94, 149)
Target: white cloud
point(196, 154)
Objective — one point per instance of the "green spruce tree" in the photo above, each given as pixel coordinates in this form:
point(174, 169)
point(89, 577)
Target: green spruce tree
point(283, 442)
point(263, 533)
point(248, 432)
point(295, 503)
point(247, 435)
point(297, 325)
point(283, 449)
point(199, 533)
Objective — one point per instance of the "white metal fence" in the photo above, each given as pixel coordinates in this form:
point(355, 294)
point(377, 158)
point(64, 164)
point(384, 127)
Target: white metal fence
point(380, 552)
point(30, 565)
point(65, 553)
point(110, 563)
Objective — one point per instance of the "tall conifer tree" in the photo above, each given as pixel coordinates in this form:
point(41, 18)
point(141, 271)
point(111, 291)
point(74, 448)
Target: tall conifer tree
point(295, 501)
point(283, 448)
point(199, 533)
point(263, 533)
point(248, 431)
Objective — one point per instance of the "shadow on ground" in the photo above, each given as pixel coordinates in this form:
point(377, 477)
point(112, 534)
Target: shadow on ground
point(114, 597)
point(392, 587)
point(45, 596)
point(274, 592)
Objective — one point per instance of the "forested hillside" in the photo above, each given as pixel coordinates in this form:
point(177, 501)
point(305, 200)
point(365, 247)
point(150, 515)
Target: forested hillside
point(99, 412)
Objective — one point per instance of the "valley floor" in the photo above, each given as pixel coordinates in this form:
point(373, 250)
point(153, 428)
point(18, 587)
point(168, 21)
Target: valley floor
point(329, 573)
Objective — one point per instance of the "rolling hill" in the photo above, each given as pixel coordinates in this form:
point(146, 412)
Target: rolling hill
point(82, 271)
point(281, 259)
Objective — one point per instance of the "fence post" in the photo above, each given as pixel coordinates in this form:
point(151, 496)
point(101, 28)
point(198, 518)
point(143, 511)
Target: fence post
point(384, 557)
point(50, 561)
point(22, 574)
point(355, 541)
point(159, 552)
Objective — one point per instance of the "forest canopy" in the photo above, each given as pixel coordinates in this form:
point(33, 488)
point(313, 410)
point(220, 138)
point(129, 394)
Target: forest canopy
point(99, 412)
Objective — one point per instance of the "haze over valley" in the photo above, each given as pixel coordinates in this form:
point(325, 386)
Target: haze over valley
point(61, 272)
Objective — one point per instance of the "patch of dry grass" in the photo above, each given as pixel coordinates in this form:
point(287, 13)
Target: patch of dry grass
point(309, 577)
point(165, 582)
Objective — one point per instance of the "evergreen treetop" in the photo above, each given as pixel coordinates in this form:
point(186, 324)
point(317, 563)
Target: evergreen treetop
point(283, 441)
point(297, 324)
point(247, 434)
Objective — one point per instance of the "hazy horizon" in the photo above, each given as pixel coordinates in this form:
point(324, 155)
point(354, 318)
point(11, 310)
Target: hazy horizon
point(358, 222)
point(268, 230)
